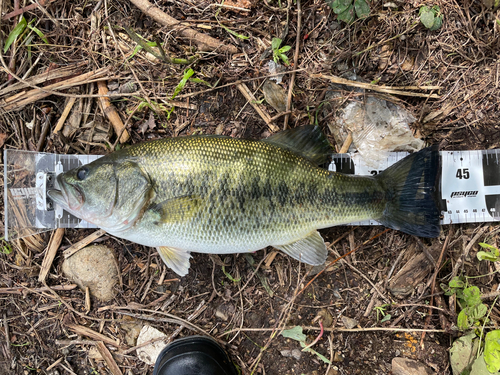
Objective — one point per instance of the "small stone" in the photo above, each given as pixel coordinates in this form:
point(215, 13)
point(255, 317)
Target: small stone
point(338, 357)
point(133, 328)
point(349, 323)
point(326, 317)
point(224, 311)
point(150, 353)
point(295, 353)
point(93, 267)
point(405, 366)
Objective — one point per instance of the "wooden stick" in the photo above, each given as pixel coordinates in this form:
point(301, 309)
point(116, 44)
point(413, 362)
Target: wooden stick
point(369, 86)
point(113, 367)
point(64, 115)
point(203, 41)
point(81, 244)
point(18, 101)
point(84, 331)
point(111, 113)
point(347, 144)
point(253, 102)
point(54, 243)
point(21, 289)
point(295, 63)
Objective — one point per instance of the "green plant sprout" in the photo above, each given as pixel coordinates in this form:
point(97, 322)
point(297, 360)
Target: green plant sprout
point(380, 310)
point(19, 31)
point(279, 53)
point(6, 248)
point(228, 275)
point(296, 334)
point(347, 10)
point(492, 255)
point(431, 18)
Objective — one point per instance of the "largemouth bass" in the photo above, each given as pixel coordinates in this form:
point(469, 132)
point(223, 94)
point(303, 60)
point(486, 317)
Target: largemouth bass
point(215, 194)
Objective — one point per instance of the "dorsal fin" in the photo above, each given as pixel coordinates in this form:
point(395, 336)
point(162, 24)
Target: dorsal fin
point(307, 141)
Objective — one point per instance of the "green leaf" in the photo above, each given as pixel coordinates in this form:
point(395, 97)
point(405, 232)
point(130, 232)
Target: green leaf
point(479, 311)
point(285, 59)
point(489, 247)
point(348, 15)
point(456, 282)
point(386, 318)
point(427, 16)
point(492, 350)
point(463, 320)
point(462, 351)
point(483, 255)
point(294, 333)
point(14, 34)
point(198, 80)
point(284, 49)
point(187, 74)
point(39, 33)
point(438, 21)
point(362, 8)
point(228, 275)
point(472, 296)
point(320, 356)
point(340, 6)
point(492, 255)
point(243, 37)
point(275, 44)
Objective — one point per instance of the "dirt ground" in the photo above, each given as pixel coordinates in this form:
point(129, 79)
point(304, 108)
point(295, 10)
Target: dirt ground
point(368, 320)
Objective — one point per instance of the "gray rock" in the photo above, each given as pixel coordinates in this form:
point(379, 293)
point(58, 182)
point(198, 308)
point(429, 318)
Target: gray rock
point(295, 353)
point(93, 267)
point(405, 366)
point(224, 311)
point(349, 323)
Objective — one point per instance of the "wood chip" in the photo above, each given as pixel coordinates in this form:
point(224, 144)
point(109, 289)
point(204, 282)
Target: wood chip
point(253, 102)
point(64, 115)
point(55, 242)
point(111, 113)
point(108, 358)
point(84, 331)
point(81, 244)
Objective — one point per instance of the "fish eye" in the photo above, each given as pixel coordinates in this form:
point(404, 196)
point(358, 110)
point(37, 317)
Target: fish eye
point(82, 173)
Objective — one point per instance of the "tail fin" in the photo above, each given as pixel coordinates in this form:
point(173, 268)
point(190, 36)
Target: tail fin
point(412, 187)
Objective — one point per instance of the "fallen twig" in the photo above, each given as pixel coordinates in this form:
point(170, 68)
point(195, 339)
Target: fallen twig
point(64, 116)
point(108, 358)
point(111, 113)
point(379, 88)
point(84, 331)
point(203, 41)
point(23, 289)
point(18, 101)
point(253, 102)
point(54, 243)
point(311, 328)
point(81, 244)
point(295, 63)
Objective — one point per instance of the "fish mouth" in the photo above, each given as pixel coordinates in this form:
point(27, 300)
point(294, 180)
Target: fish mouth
point(69, 196)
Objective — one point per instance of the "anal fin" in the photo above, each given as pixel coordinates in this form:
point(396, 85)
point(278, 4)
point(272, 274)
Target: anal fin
point(177, 260)
point(310, 249)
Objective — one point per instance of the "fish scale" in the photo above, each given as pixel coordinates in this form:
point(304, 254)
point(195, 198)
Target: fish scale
point(214, 194)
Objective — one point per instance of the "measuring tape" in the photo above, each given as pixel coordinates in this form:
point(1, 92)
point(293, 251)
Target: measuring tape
point(469, 186)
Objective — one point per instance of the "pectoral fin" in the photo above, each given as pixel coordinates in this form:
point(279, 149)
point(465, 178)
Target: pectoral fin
point(178, 210)
point(311, 249)
point(177, 260)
